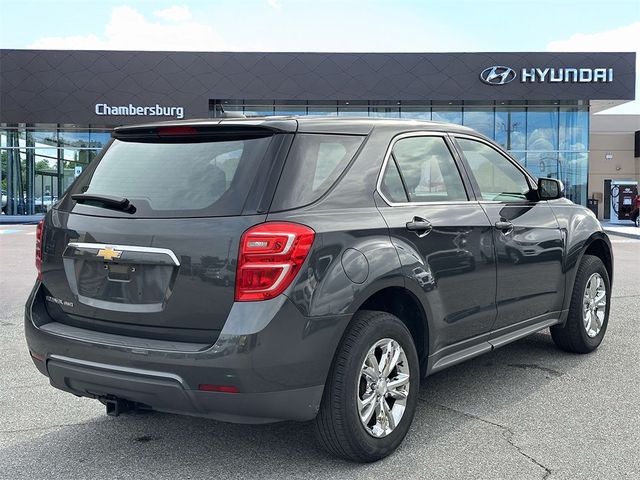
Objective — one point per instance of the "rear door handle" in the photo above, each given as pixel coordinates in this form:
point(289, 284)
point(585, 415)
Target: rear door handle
point(420, 226)
point(505, 226)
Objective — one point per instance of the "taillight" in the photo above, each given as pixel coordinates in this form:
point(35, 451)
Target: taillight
point(39, 231)
point(176, 131)
point(270, 257)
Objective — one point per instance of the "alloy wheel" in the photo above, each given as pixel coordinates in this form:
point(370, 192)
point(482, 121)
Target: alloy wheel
point(383, 387)
point(594, 305)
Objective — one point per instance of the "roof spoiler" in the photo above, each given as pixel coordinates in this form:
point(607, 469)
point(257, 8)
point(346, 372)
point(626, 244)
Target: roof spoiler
point(205, 130)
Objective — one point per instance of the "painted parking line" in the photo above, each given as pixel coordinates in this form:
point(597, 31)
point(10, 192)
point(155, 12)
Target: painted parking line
point(18, 231)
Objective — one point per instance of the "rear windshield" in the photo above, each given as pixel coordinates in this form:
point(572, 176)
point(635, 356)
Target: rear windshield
point(179, 179)
point(312, 167)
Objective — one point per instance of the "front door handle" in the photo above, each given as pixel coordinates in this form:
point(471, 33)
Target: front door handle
point(505, 226)
point(420, 226)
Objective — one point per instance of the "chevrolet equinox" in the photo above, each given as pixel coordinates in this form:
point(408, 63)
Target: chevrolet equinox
point(268, 269)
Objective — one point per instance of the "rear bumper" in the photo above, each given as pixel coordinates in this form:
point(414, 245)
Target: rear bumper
point(276, 358)
point(168, 393)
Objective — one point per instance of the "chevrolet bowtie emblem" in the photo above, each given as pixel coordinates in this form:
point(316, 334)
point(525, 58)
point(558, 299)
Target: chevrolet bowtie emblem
point(109, 253)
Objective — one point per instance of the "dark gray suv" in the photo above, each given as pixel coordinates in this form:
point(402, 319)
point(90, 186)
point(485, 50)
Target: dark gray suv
point(257, 270)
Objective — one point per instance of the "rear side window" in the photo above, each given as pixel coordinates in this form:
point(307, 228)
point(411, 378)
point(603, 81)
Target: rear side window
point(313, 165)
point(180, 179)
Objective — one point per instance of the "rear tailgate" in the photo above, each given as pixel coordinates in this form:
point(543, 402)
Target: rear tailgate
point(172, 279)
point(162, 265)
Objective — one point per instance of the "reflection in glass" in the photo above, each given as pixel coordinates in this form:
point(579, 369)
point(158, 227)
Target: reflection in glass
point(258, 111)
point(543, 164)
point(74, 138)
point(420, 113)
point(388, 109)
point(574, 173)
point(43, 138)
point(288, 110)
point(510, 128)
point(15, 179)
point(99, 139)
point(326, 111)
point(542, 129)
point(574, 129)
point(46, 159)
point(353, 108)
point(480, 119)
point(386, 112)
point(353, 112)
point(46, 183)
point(520, 156)
point(322, 108)
point(291, 107)
point(450, 115)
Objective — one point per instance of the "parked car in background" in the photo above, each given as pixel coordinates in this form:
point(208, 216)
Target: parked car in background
point(305, 269)
point(4, 201)
point(43, 204)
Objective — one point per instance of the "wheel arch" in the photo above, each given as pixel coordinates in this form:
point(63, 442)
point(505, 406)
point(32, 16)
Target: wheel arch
point(403, 303)
point(599, 246)
point(596, 244)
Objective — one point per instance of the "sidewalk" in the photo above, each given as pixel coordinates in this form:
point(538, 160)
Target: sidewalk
point(19, 219)
point(628, 230)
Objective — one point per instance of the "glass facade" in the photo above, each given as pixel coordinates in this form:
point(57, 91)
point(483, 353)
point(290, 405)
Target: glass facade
point(550, 140)
point(40, 161)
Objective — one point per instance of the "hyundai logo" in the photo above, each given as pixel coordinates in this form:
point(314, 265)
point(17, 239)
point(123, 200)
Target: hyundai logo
point(498, 75)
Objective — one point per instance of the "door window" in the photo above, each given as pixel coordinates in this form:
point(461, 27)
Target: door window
point(497, 177)
point(391, 186)
point(425, 169)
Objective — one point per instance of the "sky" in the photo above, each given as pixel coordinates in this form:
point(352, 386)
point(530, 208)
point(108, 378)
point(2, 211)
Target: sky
point(326, 26)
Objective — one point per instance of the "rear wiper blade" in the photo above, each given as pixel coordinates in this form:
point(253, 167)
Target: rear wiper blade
point(120, 203)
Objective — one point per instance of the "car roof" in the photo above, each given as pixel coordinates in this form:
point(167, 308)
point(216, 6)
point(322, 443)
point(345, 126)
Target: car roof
point(304, 123)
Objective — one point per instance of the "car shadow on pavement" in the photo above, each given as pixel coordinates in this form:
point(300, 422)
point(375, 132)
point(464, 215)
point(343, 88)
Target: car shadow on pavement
point(156, 445)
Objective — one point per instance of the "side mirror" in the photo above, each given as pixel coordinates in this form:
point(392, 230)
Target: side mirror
point(550, 189)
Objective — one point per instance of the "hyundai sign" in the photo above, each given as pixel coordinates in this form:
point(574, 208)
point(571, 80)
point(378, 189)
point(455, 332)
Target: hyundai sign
point(501, 75)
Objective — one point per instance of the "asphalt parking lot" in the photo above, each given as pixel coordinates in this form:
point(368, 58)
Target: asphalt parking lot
point(526, 411)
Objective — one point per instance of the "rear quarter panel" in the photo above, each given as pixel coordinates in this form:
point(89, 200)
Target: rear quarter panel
point(350, 233)
point(352, 258)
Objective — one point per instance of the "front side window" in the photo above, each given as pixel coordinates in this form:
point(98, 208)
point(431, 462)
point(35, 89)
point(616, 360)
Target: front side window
point(497, 177)
point(425, 168)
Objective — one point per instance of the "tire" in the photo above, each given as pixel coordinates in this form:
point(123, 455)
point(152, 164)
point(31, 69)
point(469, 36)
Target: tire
point(338, 426)
point(573, 336)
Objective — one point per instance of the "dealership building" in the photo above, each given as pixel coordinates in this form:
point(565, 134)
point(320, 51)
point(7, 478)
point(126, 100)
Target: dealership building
point(57, 107)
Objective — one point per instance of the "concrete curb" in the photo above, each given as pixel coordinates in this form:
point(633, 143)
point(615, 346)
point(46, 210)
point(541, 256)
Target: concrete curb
point(20, 219)
point(622, 234)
